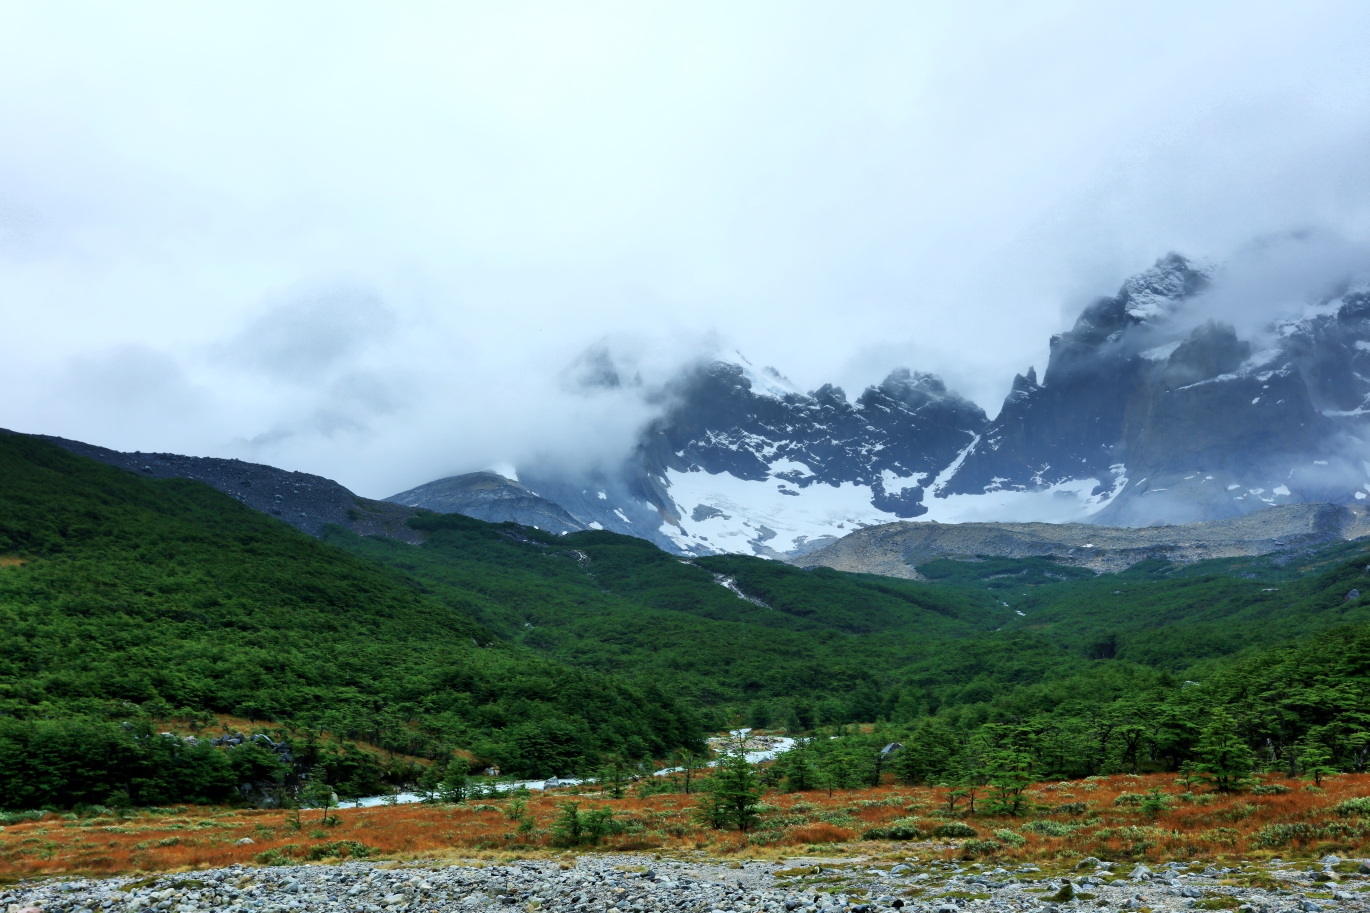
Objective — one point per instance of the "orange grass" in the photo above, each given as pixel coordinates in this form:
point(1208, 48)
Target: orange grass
point(190, 838)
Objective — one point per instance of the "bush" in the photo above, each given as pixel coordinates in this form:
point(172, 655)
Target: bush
point(1269, 789)
point(1009, 838)
point(955, 829)
point(1283, 834)
point(901, 829)
point(1073, 808)
point(1129, 799)
point(1357, 806)
point(979, 848)
point(341, 849)
point(1050, 828)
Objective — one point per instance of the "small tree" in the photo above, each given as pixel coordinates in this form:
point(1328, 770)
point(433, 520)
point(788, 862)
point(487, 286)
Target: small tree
point(454, 787)
point(734, 792)
point(1224, 760)
point(1316, 762)
point(569, 825)
point(1008, 773)
point(688, 761)
point(317, 793)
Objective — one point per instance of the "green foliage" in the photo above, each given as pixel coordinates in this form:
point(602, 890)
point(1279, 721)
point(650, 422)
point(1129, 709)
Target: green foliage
point(733, 793)
point(138, 596)
point(955, 830)
point(1224, 760)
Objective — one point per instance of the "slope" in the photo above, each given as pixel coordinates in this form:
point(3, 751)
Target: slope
point(122, 595)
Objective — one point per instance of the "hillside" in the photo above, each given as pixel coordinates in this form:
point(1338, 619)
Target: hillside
point(128, 598)
point(749, 639)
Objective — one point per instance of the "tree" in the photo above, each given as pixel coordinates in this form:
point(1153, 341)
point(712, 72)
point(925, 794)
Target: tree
point(455, 786)
point(317, 793)
point(613, 776)
point(687, 761)
point(1316, 762)
point(569, 825)
point(734, 792)
point(798, 768)
point(1224, 760)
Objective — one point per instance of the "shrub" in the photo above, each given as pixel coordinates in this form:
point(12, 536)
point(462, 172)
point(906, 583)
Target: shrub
point(1129, 799)
point(341, 849)
point(1050, 828)
point(1269, 789)
point(979, 848)
point(955, 829)
point(1009, 838)
point(1357, 806)
point(1073, 808)
point(900, 829)
point(1284, 834)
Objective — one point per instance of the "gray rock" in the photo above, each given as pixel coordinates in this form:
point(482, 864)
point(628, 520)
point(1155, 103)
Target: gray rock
point(246, 841)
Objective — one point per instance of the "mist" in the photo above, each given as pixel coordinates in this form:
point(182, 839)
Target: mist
point(377, 245)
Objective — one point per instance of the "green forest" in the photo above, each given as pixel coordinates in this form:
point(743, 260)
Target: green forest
point(125, 601)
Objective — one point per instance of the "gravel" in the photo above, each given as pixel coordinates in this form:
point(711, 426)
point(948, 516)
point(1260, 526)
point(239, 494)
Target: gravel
point(644, 884)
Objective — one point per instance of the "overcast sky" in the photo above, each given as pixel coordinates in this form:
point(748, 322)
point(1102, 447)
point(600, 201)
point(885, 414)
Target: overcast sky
point(366, 241)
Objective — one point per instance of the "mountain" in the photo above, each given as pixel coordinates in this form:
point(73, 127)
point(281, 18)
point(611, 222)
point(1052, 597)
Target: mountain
point(490, 496)
point(897, 549)
point(1178, 419)
point(1151, 410)
point(306, 502)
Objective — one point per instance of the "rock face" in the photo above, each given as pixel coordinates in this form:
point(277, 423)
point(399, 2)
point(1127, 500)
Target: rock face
point(895, 549)
point(307, 502)
point(490, 496)
point(1199, 424)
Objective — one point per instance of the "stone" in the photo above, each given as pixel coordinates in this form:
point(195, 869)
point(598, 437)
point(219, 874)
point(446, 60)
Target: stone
point(246, 841)
point(1330, 860)
point(1140, 873)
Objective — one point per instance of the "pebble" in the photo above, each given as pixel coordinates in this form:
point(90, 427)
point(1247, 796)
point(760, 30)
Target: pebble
point(632, 883)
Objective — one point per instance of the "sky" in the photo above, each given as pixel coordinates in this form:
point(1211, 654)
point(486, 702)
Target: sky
point(370, 241)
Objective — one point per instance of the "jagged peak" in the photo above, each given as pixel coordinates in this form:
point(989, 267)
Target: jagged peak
point(1158, 290)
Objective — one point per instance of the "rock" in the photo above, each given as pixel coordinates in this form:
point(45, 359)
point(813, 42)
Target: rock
point(246, 841)
point(1364, 867)
point(1330, 860)
point(1140, 873)
point(1087, 862)
point(900, 869)
point(1308, 906)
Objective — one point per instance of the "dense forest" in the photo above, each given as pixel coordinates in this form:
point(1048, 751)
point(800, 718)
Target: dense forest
point(126, 601)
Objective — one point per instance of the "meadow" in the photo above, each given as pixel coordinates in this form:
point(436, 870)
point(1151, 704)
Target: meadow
point(1149, 818)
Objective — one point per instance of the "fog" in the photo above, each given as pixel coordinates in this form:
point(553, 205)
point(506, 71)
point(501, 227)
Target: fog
point(375, 244)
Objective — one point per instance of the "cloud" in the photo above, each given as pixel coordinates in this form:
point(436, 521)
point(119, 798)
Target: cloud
point(934, 187)
point(313, 335)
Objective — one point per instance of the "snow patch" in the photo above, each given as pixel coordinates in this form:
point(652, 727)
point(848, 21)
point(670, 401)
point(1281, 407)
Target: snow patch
point(1161, 353)
point(896, 485)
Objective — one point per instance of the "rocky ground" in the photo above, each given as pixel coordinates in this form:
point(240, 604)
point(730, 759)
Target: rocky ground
point(894, 549)
point(640, 884)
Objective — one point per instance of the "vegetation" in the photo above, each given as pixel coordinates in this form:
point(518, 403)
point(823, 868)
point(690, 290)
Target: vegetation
point(129, 600)
point(870, 823)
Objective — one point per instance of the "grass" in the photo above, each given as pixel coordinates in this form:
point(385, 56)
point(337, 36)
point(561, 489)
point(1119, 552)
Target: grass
point(1293, 824)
